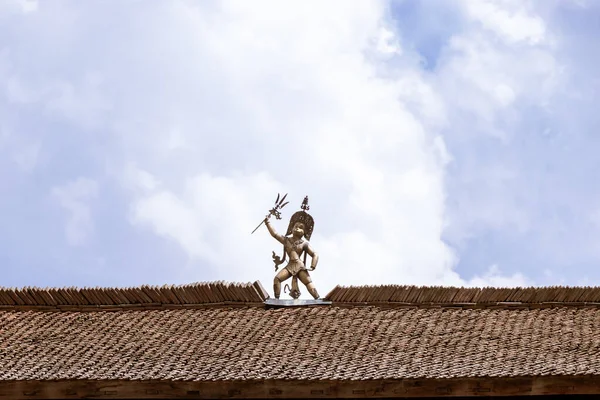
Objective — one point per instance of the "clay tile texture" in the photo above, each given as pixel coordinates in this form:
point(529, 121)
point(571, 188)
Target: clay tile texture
point(454, 295)
point(307, 343)
point(195, 293)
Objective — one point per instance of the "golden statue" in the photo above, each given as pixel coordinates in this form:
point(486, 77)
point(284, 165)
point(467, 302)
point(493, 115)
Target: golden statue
point(295, 245)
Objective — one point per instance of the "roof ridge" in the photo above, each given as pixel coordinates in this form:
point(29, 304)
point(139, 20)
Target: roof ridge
point(234, 293)
point(197, 293)
point(419, 295)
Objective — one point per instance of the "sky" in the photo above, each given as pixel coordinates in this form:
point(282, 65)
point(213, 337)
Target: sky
point(440, 142)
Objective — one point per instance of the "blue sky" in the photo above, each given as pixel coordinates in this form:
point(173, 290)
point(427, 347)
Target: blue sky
point(440, 142)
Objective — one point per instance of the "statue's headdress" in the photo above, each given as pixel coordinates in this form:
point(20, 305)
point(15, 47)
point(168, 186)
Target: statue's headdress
point(303, 217)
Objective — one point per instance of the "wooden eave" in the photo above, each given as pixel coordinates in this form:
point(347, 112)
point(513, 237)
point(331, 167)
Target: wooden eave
point(292, 389)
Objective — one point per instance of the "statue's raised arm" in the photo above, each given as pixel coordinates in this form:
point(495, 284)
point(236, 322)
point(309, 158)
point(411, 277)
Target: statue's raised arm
point(273, 232)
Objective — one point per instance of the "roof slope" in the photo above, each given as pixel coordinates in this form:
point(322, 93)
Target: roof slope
point(310, 343)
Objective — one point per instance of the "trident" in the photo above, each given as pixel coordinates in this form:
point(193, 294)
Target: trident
point(279, 204)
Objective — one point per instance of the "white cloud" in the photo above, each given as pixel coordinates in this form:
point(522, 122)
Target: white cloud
point(291, 100)
point(74, 197)
point(211, 219)
point(307, 112)
point(494, 277)
point(138, 179)
point(208, 110)
point(485, 85)
point(509, 19)
point(479, 77)
point(388, 43)
point(23, 6)
point(81, 102)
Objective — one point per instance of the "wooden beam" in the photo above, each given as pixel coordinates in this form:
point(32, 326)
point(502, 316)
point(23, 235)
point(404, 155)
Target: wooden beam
point(122, 389)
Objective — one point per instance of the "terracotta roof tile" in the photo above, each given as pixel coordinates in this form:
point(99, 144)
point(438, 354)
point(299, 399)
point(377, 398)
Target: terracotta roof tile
point(454, 295)
point(348, 343)
point(198, 293)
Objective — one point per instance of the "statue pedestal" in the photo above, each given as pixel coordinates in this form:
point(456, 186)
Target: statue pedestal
point(277, 303)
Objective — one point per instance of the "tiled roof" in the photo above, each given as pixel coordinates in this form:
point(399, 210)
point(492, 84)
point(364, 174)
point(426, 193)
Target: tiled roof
point(310, 343)
point(225, 293)
point(403, 294)
point(146, 296)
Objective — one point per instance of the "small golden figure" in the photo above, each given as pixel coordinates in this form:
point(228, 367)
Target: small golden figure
point(295, 244)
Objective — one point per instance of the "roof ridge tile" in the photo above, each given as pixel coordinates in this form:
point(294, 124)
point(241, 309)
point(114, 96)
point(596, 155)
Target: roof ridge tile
point(193, 293)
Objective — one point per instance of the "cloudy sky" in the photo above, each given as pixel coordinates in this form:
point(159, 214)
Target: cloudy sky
point(441, 142)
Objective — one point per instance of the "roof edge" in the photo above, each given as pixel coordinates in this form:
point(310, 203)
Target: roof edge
point(448, 295)
point(195, 294)
point(220, 293)
point(267, 389)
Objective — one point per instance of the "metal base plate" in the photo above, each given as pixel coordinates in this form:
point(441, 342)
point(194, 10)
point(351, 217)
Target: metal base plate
point(270, 303)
